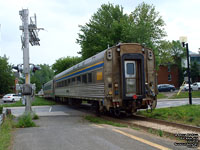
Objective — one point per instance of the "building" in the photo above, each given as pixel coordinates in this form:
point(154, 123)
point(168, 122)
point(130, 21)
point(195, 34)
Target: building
point(168, 75)
point(194, 57)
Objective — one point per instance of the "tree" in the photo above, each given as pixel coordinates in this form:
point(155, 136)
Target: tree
point(109, 25)
point(147, 26)
point(65, 63)
point(103, 29)
point(6, 76)
point(42, 76)
point(195, 73)
point(164, 53)
point(172, 53)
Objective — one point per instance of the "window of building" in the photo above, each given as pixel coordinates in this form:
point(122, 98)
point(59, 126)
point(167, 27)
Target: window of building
point(169, 68)
point(84, 78)
point(169, 77)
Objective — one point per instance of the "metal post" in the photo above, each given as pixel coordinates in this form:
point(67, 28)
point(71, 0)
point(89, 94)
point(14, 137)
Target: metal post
point(188, 70)
point(25, 20)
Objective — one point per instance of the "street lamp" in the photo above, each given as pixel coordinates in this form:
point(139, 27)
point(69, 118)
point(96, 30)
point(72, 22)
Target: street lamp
point(183, 40)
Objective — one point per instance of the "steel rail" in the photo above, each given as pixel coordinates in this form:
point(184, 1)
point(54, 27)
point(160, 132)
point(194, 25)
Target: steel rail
point(163, 122)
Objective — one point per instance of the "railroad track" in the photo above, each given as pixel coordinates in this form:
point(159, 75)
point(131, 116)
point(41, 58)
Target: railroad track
point(153, 124)
point(178, 125)
point(174, 129)
point(131, 121)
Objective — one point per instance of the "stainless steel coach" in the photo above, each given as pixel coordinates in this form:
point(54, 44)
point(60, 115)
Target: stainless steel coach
point(119, 79)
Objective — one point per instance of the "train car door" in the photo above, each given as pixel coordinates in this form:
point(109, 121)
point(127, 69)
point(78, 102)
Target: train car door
point(130, 77)
point(133, 76)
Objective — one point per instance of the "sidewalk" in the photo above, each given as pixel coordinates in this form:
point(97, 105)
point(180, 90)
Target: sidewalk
point(39, 110)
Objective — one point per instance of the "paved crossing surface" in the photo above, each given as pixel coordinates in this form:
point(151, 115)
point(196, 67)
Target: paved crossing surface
point(73, 132)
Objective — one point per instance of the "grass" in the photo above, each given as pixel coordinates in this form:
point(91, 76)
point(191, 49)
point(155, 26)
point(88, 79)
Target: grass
point(35, 116)
point(39, 101)
point(1, 109)
point(184, 94)
point(16, 104)
point(187, 114)
point(5, 133)
point(25, 121)
point(156, 132)
point(102, 121)
point(161, 95)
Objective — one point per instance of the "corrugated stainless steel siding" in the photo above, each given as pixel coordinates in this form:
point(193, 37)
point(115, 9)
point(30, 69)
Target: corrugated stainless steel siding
point(84, 91)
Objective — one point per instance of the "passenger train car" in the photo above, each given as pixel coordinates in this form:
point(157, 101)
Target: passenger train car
point(120, 79)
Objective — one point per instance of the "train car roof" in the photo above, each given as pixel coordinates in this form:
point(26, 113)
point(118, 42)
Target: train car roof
point(96, 58)
point(90, 60)
point(49, 82)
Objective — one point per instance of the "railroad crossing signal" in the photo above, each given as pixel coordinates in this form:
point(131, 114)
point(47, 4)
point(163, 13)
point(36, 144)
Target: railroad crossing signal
point(29, 35)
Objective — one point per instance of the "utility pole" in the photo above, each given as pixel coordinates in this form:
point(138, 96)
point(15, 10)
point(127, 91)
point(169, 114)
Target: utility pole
point(29, 34)
point(183, 40)
point(188, 71)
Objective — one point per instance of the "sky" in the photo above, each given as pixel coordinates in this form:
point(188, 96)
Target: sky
point(61, 18)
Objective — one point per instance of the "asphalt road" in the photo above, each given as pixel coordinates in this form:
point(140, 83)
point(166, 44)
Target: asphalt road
point(73, 132)
point(43, 110)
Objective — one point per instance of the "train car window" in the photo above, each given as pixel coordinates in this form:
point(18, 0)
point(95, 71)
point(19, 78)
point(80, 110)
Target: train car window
point(68, 81)
point(84, 78)
point(89, 77)
point(73, 80)
point(78, 79)
point(130, 68)
point(65, 82)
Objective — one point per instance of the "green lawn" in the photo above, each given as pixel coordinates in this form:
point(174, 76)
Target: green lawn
point(187, 114)
point(184, 94)
point(5, 134)
point(39, 101)
point(161, 95)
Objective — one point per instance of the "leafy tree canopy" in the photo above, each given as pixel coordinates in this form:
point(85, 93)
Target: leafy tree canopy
point(171, 52)
point(65, 63)
point(103, 29)
point(195, 71)
point(110, 25)
point(6, 76)
point(42, 76)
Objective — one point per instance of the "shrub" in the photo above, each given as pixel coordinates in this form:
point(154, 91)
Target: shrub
point(35, 117)
point(1, 109)
point(25, 121)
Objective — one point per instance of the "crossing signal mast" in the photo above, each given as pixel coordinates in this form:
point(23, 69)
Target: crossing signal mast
point(29, 35)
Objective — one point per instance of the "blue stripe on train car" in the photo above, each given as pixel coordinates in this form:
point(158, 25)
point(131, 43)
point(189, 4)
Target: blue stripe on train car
point(82, 71)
